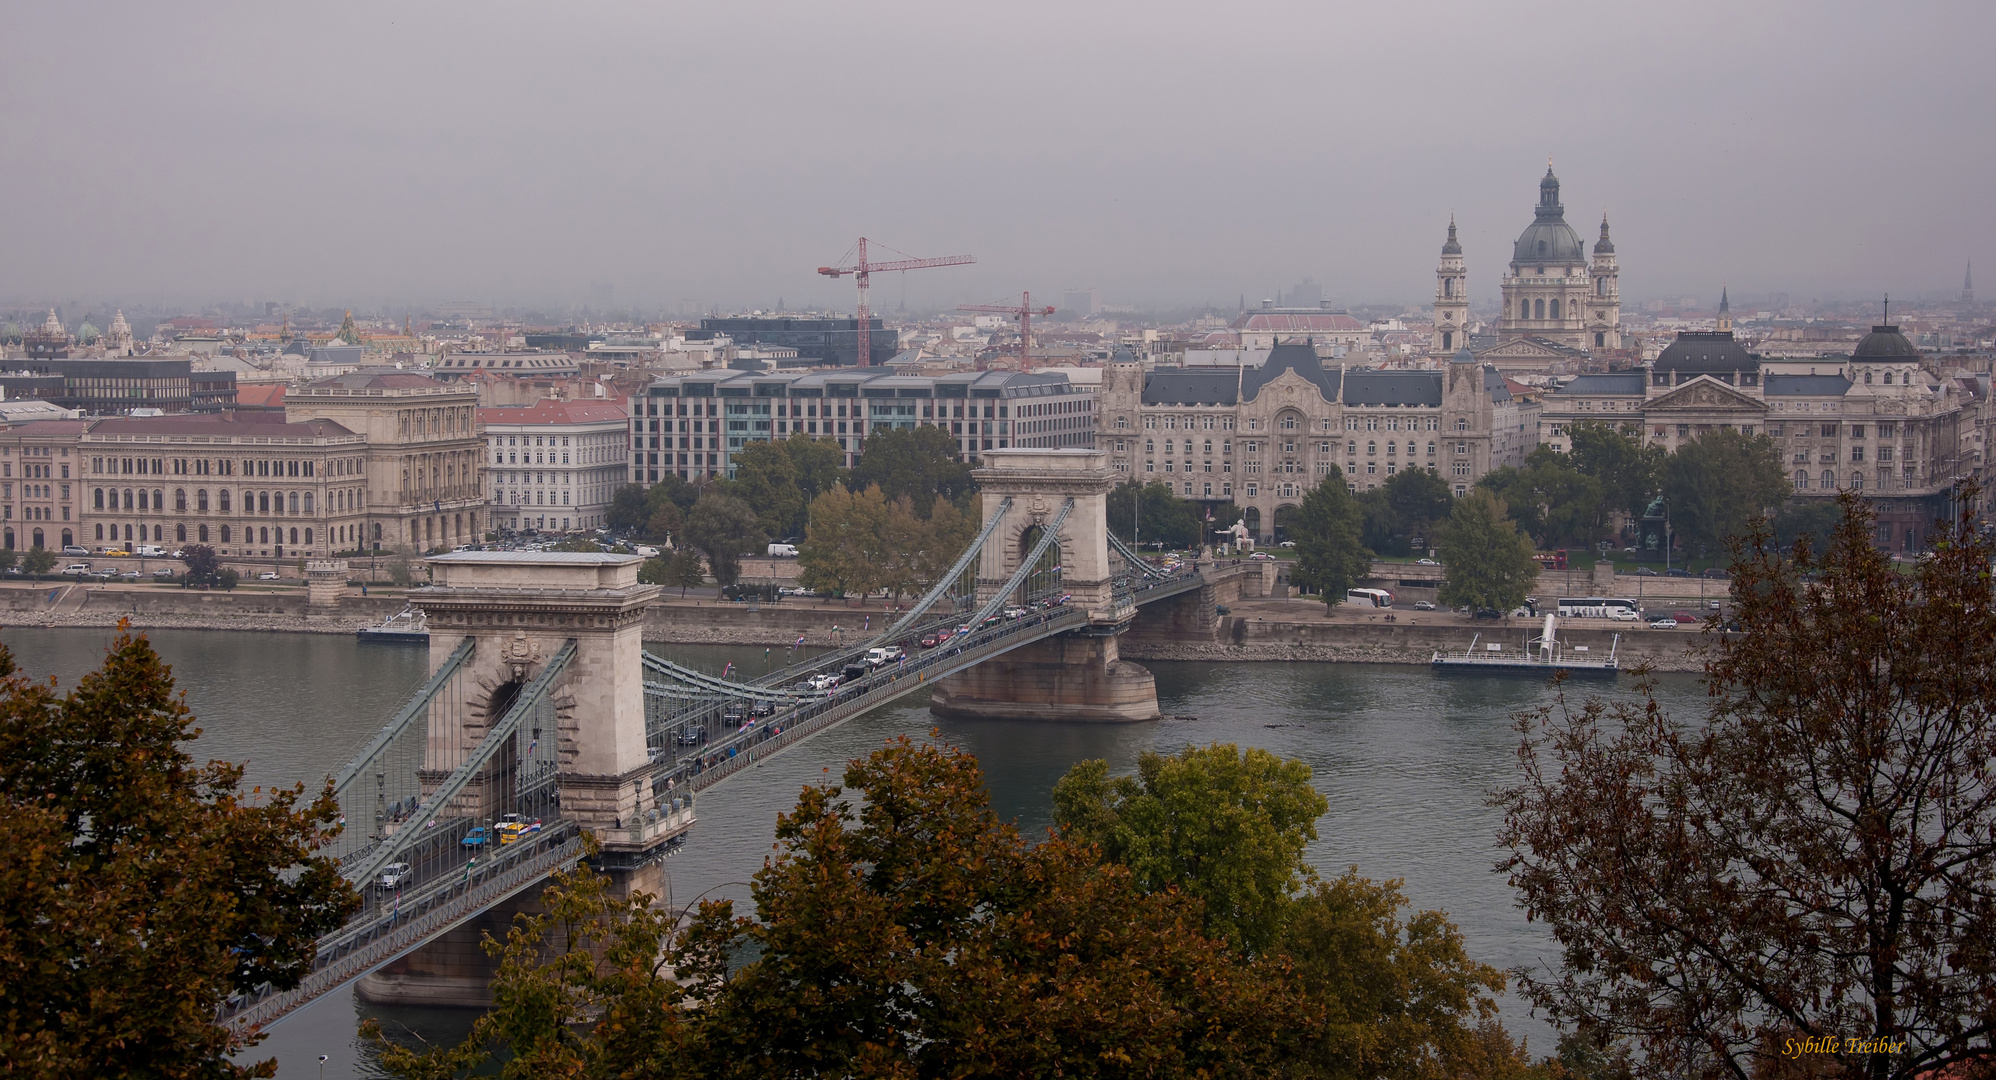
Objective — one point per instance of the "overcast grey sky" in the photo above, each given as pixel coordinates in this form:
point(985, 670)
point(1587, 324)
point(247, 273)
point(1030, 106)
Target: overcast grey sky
point(353, 153)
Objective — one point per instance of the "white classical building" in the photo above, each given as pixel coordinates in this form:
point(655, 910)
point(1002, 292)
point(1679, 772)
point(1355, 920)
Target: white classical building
point(554, 465)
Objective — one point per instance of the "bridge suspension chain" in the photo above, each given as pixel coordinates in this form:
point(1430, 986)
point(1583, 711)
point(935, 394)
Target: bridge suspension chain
point(710, 685)
point(949, 578)
point(416, 707)
point(372, 860)
point(1136, 561)
point(1048, 534)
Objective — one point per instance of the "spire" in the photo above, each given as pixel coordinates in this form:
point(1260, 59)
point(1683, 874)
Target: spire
point(1725, 311)
point(1968, 283)
point(1452, 247)
point(1604, 246)
point(1549, 206)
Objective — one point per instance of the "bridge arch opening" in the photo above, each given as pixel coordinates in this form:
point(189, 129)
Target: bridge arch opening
point(1044, 579)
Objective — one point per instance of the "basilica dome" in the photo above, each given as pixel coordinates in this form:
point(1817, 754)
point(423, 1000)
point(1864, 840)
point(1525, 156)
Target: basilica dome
point(1549, 239)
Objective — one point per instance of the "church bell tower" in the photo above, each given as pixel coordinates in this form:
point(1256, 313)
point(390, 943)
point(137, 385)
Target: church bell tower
point(1604, 302)
point(1451, 299)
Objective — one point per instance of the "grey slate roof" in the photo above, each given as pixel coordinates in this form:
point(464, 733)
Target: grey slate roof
point(1805, 386)
point(1615, 382)
point(1396, 387)
point(1217, 386)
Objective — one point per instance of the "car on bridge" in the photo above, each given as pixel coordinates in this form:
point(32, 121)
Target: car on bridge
point(930, 641)
point(512, 827)
point(1015, 613)
point(394, 876)
point(474, 839)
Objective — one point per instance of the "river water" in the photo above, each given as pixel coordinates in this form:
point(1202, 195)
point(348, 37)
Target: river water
point(1407, 759)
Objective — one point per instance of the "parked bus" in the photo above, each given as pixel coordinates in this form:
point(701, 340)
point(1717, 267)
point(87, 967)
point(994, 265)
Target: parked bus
point(1551, 560)
point(1369, 598)
point(1597, 607)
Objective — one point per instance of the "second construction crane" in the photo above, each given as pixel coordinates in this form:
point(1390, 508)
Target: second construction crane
point(862, 269)
point(1022, 311)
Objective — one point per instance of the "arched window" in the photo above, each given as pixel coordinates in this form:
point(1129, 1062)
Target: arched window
point(158, 499)
point(293, 502)
point(1867, 378)
point(264, 535)
point(1600, 286)
point(180, 534)
point(201, 500)
point(1555, 307)
point(1857, 481)
point(308, 536)
point(180, 501)
point(224, 496)
point(263, 502)
point(1801, 480)
point(1829, 480)
point(97, 501)
point(202, 532)
point(1539, 307)
point(1888, 378)
point(225, 534)
point(308, 502)
point(294, 535)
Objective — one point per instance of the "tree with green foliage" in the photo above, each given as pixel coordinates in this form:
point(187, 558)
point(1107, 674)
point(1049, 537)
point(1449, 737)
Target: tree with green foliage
point(1420, 501)
point(140, 889)
point(1815, 518)
point(901, 930)
point(724, 529)
point(665, 522)
point(628, 509)
point(1629, 470)
point(1718, 483)
point(8, 557)
point(845, 546)
point(580, 544)
point(203, 567)
point(39, 560)
point(1812, 854)
point(1552, 502)
point(1151, 514)
point(1331, 555)
point(766, 480)
point(1487, 562)
point(919, 463)
point(1218, 824)
point(685, 570)
point(1378, 995)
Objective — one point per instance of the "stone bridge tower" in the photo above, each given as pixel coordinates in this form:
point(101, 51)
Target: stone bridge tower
point(1078, 675)
point(521, 609)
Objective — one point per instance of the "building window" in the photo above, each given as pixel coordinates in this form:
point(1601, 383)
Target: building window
point(1253, 490)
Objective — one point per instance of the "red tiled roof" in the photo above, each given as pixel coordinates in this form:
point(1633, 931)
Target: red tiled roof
point(261, 395)
point(548, 411)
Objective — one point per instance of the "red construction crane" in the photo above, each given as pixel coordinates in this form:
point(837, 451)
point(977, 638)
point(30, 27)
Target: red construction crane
point(1024, 312)
point(861, 269)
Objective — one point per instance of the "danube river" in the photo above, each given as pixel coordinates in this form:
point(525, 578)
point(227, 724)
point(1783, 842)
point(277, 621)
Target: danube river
point(1407, 759)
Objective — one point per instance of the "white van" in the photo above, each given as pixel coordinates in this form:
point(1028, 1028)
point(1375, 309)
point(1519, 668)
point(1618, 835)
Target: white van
point(783, 551)
point(150, 551)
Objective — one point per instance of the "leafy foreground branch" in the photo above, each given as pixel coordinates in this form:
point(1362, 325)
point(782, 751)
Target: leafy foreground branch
point(139, 890)
point(902, 930)
point(1805, 883)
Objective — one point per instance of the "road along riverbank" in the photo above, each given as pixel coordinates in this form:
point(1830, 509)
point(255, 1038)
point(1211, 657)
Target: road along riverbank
point(1255, 630)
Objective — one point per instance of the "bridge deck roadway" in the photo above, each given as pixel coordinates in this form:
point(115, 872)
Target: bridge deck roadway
point(770, 736)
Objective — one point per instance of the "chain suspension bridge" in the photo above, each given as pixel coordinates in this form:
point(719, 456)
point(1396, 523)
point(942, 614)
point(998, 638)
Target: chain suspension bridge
point(545, 722)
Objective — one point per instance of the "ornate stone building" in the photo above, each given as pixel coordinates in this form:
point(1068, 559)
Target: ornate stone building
point(1552, 290)
point(1880, 422)
point(425, 474)
point(1262, 437)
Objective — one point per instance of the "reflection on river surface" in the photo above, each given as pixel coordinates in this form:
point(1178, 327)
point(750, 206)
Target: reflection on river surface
point(1407, 759)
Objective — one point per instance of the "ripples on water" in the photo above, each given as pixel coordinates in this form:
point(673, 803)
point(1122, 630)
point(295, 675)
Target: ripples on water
point(1406, 758)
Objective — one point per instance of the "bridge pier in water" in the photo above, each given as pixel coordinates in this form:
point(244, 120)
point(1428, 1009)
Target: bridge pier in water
point(522, 609)
point(1076, 676)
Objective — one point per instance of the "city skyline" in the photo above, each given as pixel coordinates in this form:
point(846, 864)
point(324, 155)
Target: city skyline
point(651, 160)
